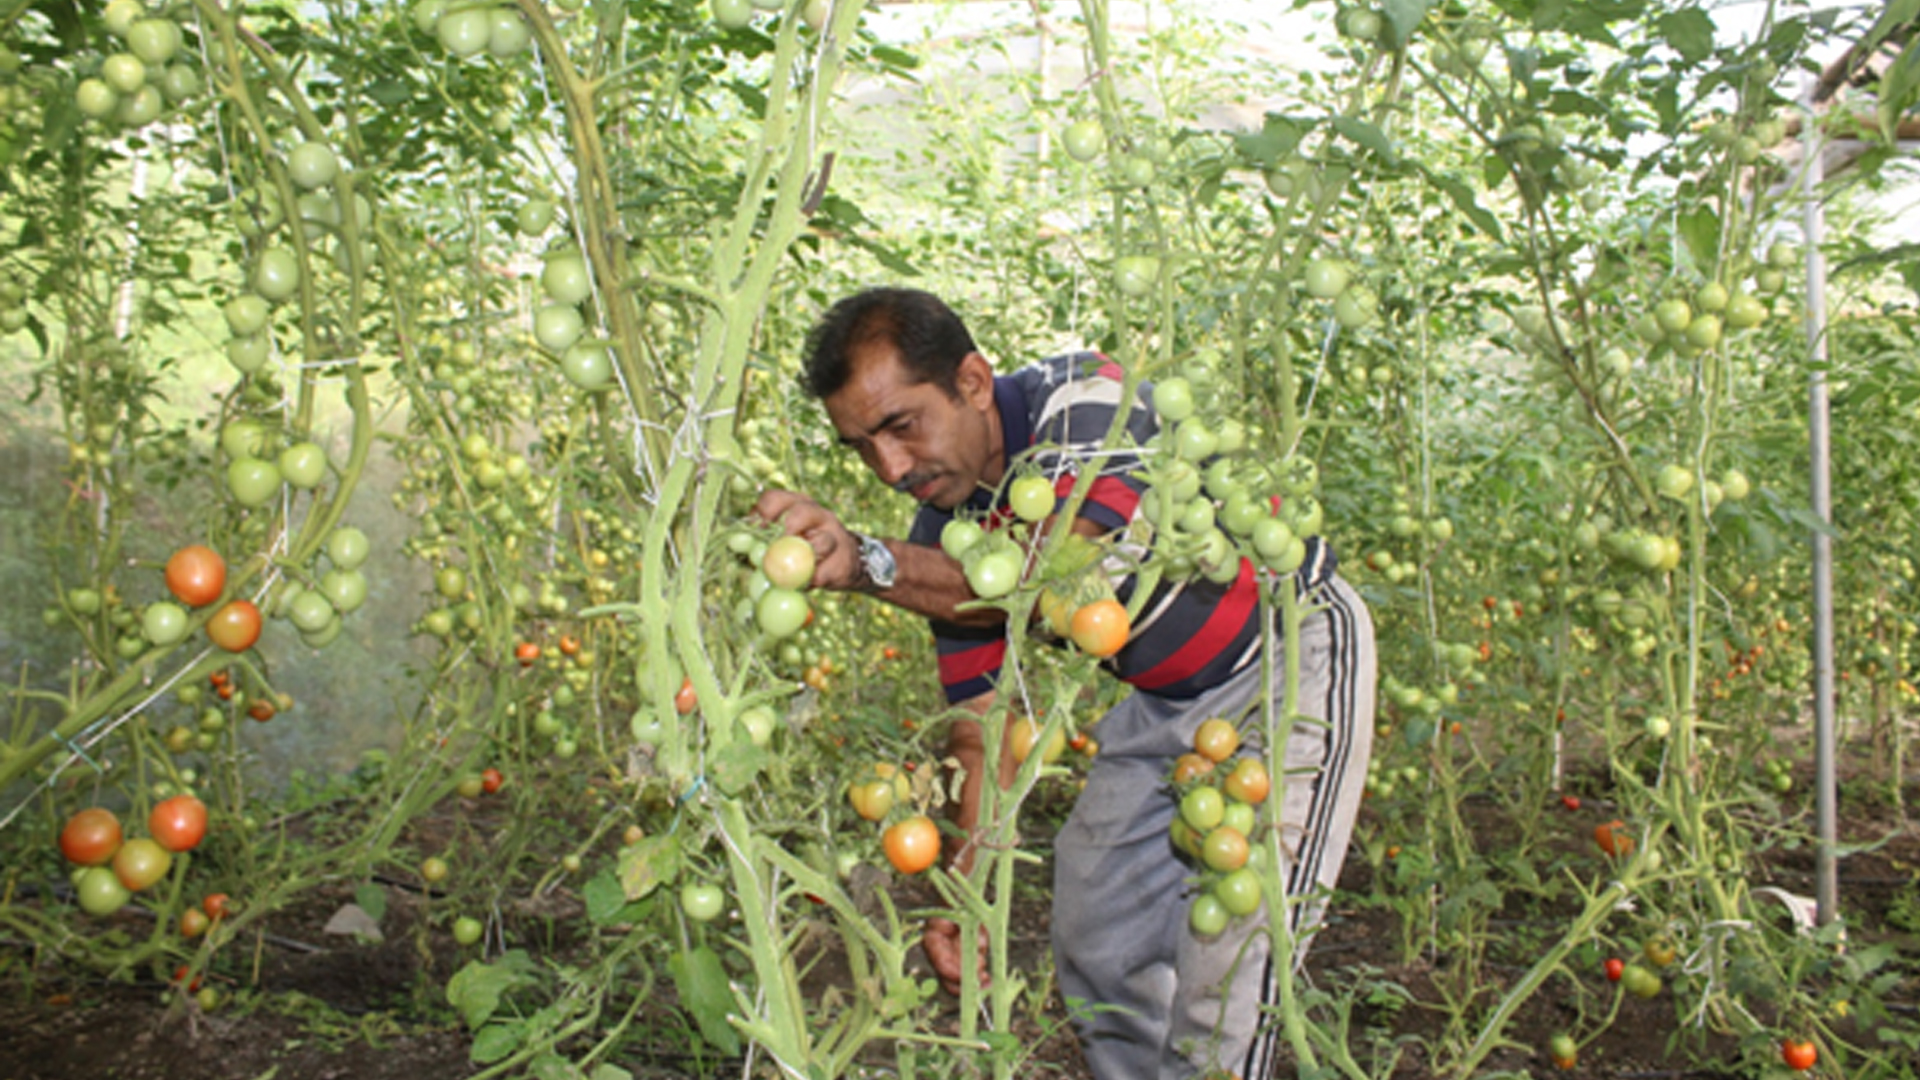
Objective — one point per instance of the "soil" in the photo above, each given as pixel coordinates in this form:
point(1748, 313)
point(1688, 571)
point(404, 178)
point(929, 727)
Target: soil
point(322, 1008)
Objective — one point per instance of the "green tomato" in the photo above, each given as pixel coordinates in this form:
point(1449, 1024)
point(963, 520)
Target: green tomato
point(466, 930)
point(348, 547)
point(312, 165)
point(1208, 916)
point(959, 536)
point(1194, 441)
point(1134, 275)
point(164, 623)
point(701, 901)
point(346, 590)
point(781, 612)
point(758, 721)
point(277, 276)
point(1356, 308)
point(1744, 311)
point(508, 35)
point(1031, 498)
point(1083, 140)
point(100, 892)
point(246, 315)
point(534, 217)
point(732, 14)
point(588, 365)
point(1326, 278)
point(303, 465)
point(1173, 400)
point(249, 354)
point(450, 582)
point(95, 99)
point(1673, 315)
point(994, 574)
point(124, 73)
point(140, 108)
point(558, 326)
point(1239, 892)
point(154, 40)
point(310, 611)
point(253, 482)
point(464, 32)
point(1674, 481)
point(1202, 808)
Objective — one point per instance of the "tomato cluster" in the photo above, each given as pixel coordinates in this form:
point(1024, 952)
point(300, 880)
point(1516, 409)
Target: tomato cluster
point(112, 868)
point(1219, 824)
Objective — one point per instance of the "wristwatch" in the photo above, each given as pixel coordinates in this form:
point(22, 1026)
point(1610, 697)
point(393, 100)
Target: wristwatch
point(877, 562)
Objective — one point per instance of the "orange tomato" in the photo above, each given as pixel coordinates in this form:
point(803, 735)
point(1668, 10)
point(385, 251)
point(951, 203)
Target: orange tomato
point(912, 845)
point(90, 837)
point(526, 652)
point(1101, 628)
point(1248, 782)
point(1189, 767)
point(196, 574)
point(1613, 839)
point(1216, 739)
point(685, 700)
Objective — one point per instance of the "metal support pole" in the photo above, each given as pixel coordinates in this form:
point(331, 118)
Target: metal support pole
point(1825, 786)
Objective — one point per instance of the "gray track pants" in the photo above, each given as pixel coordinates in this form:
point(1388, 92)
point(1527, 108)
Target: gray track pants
point(1154, 1000)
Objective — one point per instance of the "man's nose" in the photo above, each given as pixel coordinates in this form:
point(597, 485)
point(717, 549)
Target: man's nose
point(892, 462)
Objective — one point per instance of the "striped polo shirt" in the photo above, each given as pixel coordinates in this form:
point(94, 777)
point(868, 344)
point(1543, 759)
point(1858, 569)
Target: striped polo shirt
point(1191, 634)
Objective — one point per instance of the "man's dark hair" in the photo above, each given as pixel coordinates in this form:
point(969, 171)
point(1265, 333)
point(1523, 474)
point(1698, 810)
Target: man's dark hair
point(930, 338)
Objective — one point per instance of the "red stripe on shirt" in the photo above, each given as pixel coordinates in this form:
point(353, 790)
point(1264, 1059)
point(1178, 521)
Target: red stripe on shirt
point(1114, 494)
point(1111, 370)
point(1228, 617)
point(981, 660)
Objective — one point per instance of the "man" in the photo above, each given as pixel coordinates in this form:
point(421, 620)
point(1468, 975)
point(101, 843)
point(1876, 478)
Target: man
point(905, 388)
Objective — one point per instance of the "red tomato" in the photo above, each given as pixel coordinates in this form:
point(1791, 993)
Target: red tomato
point(1101, 628)
point(236, 626)
point(180, 976)
point(90, 837)
point(526, 652)
point(491, 780)
point(912, 845)
point(1799, 1054)
point(197, 575)
point(1615, 967)
point(685, 700)
point(216, 905)
point(261, 709)
point(1571, 802)
point(179, 823)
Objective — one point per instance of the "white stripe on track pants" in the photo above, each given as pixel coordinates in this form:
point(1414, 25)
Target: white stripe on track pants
point(1151, 1000)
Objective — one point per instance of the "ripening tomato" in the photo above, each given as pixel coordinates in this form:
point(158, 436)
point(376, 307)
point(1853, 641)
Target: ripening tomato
point(179, 823)
point(196, 575)
point(1216, 739)
point(194, 922)
point(1101, 628)
point(491, 780)
point(216, 905)
point(1798, 1054)
point(526, 652)
point(433, 869)
point(871, 799)
point(912, 845)
point(1248, 782)
point(1225, 849)
point(1189, 767)
point(1564, 1051)
point(789, 562)
point(140, 862)
point(236, 626)
point(684, 699)
point(1659, 951)
point(90, 837)
point(1023, 733)
point(1613, 839)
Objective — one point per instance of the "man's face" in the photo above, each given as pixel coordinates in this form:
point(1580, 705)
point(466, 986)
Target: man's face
point(935, 446)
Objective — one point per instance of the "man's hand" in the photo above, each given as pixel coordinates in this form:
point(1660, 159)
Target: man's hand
point(942, 942)
point(836, 553)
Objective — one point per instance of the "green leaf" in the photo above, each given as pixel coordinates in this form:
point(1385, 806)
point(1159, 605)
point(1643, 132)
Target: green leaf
point(1364, 134)
point(1700, 228)
point(1463, 200)
point(605, 1071)
point(1403, 17)
point(702, 984)
point(372, 900)
point(606, 901)
point(1277, 137)
point(475, 990)
point(645, 865)
point(1899, 89)
point(495, 1041)
point(1689, 31)
point(897, 59)
point(735, 769)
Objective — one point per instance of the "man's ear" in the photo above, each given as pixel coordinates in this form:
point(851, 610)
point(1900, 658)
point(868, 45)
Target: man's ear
point(974, 380)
